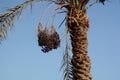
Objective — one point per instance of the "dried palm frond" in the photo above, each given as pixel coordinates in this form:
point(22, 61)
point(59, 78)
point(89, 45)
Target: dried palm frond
point(67, 66)
point(66, 61)
point(48, 38)
point(7, 19)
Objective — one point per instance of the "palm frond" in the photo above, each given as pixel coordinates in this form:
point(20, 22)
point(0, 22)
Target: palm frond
point(66, 61)
point(67, 64)
point(7, 19)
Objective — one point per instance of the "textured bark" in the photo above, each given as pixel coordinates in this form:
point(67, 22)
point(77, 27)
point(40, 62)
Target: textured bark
point(78, 25)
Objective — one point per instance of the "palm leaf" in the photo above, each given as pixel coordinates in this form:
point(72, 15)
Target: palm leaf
point(66, 61)
point(7, 19)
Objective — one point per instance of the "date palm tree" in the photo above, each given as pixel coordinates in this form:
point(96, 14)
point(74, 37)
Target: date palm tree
point(76, 21)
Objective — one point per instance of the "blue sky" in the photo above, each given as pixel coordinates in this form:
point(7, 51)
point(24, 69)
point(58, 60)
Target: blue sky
point(21, 57)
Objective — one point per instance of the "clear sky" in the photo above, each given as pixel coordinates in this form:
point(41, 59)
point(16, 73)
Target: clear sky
point(21, 57)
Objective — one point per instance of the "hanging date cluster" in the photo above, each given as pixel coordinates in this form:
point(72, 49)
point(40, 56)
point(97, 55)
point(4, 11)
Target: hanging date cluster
point(48, 38)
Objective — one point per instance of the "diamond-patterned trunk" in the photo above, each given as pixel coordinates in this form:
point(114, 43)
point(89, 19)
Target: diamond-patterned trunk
point(78, 25)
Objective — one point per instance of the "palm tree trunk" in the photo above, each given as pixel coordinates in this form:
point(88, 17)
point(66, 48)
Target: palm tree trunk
point(78, 25)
